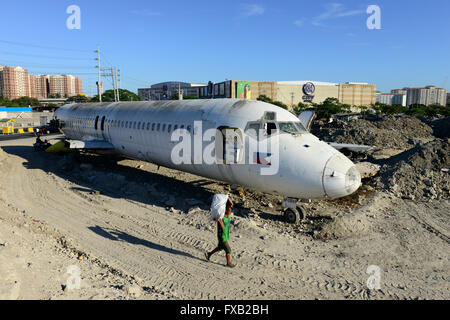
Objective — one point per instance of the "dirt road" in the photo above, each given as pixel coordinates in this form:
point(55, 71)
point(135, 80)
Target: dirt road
point(138, 232)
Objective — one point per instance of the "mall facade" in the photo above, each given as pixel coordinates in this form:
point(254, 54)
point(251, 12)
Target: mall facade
point(287, 92)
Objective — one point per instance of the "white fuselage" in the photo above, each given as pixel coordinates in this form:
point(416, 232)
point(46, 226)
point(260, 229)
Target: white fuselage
point(307, 167)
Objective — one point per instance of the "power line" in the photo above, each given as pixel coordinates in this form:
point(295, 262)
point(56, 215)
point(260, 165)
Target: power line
point(42, 56)
point(54, 73)
point(41, 47)
point(37, 64)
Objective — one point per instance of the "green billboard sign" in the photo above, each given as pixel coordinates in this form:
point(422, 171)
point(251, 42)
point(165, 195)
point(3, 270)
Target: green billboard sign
point(243, 90)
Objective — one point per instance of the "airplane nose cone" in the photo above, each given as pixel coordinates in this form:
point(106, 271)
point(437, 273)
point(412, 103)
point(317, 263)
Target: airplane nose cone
point(340, 177)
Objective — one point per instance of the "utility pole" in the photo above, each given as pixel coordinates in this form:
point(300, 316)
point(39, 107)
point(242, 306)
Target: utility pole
point(111, 74)
point(118, 86)
point(99, 83)
point(180, 94)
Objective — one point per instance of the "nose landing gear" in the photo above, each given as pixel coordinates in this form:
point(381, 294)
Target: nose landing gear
point(293, 213)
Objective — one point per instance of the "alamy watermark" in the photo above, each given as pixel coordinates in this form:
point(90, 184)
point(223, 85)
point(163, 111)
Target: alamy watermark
point(229, 146)
point(374, 281)
point(73, 22)
point(374, 21)
point(74, 281)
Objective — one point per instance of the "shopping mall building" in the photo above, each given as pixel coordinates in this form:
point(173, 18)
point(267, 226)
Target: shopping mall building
point(288, 92)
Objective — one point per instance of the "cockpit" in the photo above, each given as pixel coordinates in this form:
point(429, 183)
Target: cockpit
point(271, 127)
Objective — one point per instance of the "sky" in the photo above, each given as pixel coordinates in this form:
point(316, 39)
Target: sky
point(200, 41)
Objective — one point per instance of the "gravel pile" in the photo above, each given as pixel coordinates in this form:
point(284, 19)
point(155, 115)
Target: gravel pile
point(420, 173)
point(387, 131)
point(441, 127)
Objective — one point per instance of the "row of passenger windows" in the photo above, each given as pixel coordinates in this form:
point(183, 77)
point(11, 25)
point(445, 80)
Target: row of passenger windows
point(155, 126)
point(135, 125)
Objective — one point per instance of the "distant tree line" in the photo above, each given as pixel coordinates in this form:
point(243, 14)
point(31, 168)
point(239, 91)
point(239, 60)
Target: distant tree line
point(332, 106)
point(265, 98)
point(176, 95)
point(19, 102)
point(107, 96)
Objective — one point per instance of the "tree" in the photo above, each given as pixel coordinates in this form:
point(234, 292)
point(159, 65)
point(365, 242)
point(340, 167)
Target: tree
point(25, 102)
point(175, 97)
point(79, 99)
point(298, 109)
point(330, 107)
point(125, 95)
point(266, 99)
point(5, 102)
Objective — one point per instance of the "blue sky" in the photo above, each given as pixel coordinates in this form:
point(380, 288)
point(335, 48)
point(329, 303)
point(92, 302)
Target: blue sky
point(198, 41)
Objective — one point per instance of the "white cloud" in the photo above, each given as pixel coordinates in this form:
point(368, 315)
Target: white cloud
point(248, 10)
point(334, 10)
point(350, 13)
point(299, 22)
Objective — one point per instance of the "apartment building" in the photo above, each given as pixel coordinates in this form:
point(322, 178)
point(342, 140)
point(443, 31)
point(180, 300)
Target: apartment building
point(39, 86)
point(426, 96)
point(391, 99)
point(16, 82)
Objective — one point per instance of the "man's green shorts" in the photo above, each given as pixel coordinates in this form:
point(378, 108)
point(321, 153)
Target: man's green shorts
point(224, 246)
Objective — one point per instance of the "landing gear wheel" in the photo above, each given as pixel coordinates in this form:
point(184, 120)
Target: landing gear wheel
point(294, 216)
point(302, 212)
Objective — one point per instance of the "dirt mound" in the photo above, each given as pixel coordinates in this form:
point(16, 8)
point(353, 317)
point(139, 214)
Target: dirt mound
point(420, 173)
point(441, 128)
point(380, 131)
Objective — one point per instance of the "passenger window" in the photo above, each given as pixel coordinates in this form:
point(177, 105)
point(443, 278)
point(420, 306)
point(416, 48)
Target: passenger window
point(148, 126)
point(163, 127)
point(126, 125)
point(175, 127)
point(139, 126)
point(182, 126)
point(153, 127)
point(189, 129)
point(158, 127)
point(169, 127)
point(134, 125)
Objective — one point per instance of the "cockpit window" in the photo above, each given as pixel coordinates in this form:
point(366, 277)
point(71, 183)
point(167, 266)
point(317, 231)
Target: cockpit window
point(291, 127)
point(300, 127)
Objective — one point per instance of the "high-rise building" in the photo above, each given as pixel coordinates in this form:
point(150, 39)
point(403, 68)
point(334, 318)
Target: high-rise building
point(57, 85)
point(426, 96)
point(399, 91)
point(14, 82)
point(392, 99)
point(39, 86)
point(78, 86)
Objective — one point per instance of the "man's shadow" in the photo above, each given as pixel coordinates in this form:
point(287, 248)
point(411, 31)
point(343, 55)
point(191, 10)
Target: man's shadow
point(116, 235)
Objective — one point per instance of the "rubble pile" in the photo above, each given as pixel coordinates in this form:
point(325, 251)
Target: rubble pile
point(441, 127)
point(421, 173)
point(401, 132)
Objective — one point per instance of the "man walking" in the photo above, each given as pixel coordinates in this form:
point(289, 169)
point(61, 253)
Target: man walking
point(223, 235)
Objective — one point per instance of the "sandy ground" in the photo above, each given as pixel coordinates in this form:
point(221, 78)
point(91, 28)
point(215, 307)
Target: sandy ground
point(138, 232)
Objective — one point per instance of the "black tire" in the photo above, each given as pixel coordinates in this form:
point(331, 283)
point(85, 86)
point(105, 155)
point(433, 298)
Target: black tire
point(302, 212)
point(292, 216)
